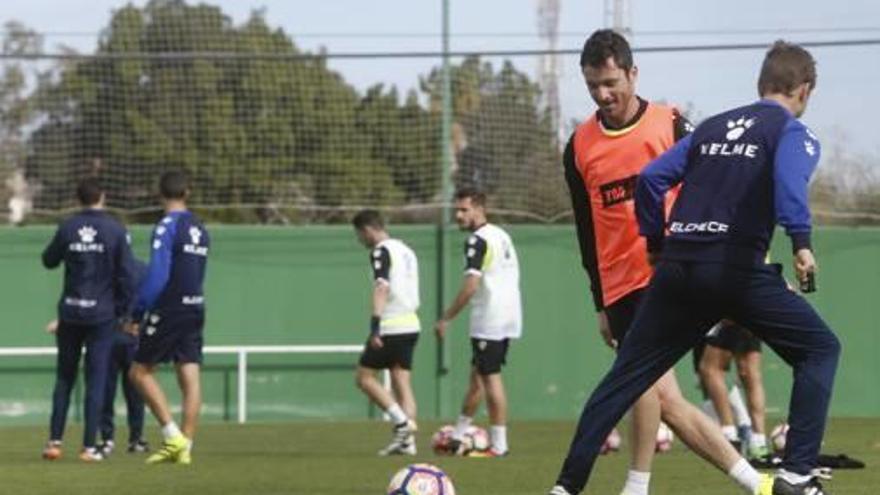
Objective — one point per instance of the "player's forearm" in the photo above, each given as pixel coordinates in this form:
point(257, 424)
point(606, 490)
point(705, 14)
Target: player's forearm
point(467, 291)
point(52, 255)
point(380, 298)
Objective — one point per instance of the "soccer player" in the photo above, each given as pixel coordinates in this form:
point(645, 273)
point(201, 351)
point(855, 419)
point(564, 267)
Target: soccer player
point(742, 172)
point(121, 356)
point(171, 311)
point(726, 343)
point(491, 283)
point(602, 161)
point(394, 328)
point(98, 291)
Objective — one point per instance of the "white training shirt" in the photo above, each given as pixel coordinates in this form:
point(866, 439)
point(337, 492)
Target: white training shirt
point(396, 265)
point(496, 309)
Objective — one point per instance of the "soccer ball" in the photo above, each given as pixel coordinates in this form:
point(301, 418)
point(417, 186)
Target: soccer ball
point(664, 438)
point(474, 439)
point(420, 479)
point(612, 443)
point(441, 439)
point(777, 436)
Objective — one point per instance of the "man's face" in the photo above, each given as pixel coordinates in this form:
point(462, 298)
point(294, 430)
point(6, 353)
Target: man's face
point(366, 236)
point(612, 88)
point(467, 214)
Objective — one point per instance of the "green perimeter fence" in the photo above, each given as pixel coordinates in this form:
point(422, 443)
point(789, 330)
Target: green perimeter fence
point(310, 285)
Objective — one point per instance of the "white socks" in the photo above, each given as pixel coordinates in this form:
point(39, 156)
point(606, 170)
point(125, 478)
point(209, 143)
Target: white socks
point(739, 407)
point(745, 475)
point(757, 440)
point(498, 437)
point(461, 426)
point(636, 483)
point(730, 433)
point(170, 431)
point(396, 413)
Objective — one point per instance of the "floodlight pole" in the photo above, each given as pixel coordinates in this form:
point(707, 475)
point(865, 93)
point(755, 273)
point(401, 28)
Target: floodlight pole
point(446, 163)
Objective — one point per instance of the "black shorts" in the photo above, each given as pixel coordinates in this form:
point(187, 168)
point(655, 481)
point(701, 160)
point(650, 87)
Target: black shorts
point(622, 313)
point(733, 338)
point(396, 350)
point(171, 337)
point(489, 355)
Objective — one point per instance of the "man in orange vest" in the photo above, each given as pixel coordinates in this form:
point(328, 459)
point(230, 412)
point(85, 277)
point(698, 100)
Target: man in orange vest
point(602, 163)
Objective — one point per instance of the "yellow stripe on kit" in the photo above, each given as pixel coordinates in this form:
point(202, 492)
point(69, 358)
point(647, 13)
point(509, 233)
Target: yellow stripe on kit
point(407, 320)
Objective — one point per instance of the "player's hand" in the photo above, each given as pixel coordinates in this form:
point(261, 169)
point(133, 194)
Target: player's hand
point(376, 342)
point(605, 329)
point(52, 327)
point(131, 328)
point(440, 328)
point(804, 264)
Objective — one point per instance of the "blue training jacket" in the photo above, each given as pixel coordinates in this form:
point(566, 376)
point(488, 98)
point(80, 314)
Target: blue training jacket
point(178, 258)
point(99, 272)
point(742, 172)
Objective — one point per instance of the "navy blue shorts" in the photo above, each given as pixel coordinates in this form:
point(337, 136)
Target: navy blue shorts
point(171, 337)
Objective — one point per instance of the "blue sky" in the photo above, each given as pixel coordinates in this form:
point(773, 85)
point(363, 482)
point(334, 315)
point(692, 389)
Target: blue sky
point(841, 113)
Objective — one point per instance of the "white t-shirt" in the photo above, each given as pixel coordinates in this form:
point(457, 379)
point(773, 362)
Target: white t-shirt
point(395, 264)
point(496, 309)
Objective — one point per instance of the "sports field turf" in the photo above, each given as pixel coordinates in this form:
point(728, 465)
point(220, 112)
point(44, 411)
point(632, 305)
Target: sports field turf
point(339, 458)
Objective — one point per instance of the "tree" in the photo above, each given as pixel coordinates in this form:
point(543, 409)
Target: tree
point(509, 147)
point(254, 122)
point(16, 112)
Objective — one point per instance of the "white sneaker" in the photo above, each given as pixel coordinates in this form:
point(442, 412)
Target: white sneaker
point(403, 440)
point(106, 448)
point(558, 490)
point(90, 454)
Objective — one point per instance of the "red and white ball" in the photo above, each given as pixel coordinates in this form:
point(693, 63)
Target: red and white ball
point(612, 443)
point(665, 437)
point(778, 436)
point(475, 438)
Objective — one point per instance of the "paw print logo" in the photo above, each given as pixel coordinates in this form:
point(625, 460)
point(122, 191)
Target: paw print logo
point(195, 234)
point(738, 128)
point(809, 147)
point(87, 234)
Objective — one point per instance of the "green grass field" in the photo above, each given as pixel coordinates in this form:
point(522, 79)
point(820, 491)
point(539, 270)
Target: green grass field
point(339, 458)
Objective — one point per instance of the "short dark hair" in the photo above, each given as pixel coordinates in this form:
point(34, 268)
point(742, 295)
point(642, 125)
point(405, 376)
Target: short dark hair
point(368, 218)
point(603, 44)
point(786, 66)
point(174, 185)
point(89, 191)
point(476, 196)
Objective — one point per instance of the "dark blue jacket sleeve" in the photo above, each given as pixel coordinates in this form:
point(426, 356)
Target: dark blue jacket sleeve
point(159, 269)
point(54, 252)
point(126, 278)
point(654, 182)
point(797, 155)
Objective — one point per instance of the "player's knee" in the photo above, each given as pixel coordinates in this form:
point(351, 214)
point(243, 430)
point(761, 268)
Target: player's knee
point(136, 374)
point(362, 378)
point(707, 370)
point(832, 347)
point(749, 374)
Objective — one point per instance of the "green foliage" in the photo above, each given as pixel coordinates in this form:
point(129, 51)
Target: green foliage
point(260, 124)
